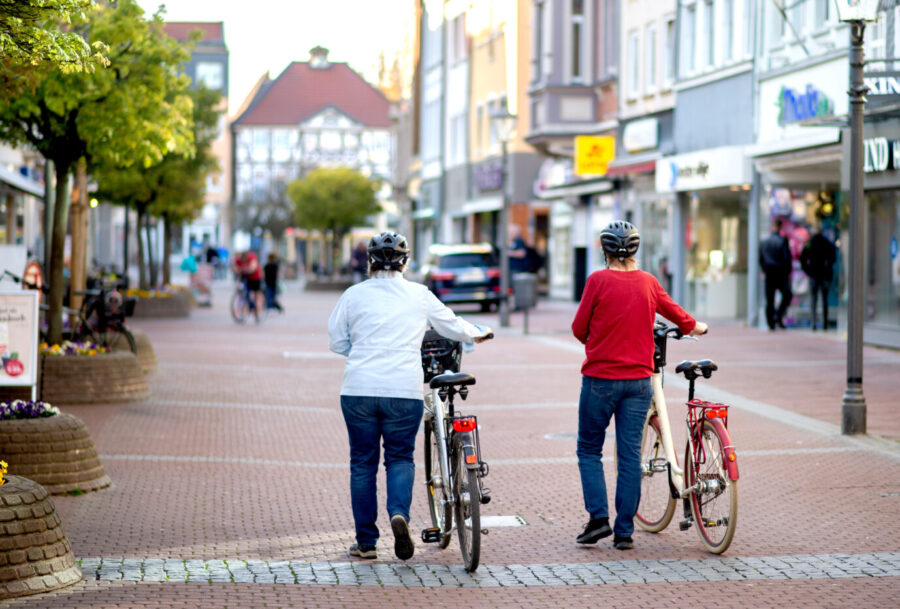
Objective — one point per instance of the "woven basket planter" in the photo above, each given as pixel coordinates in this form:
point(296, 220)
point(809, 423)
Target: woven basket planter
point(176, 305)
point(145, 353)
point(35, 555)
point(92, 379)
point(56, 452)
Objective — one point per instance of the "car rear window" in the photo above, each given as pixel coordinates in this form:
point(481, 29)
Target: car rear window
point(458, 261)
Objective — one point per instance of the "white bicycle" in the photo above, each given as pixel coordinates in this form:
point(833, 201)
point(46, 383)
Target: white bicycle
point(708, 482)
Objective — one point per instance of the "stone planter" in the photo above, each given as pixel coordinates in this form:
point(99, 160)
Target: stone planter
point(35, 555)
point(92, 379)
point(176, 305)
point(56, 452)
point(145, 353)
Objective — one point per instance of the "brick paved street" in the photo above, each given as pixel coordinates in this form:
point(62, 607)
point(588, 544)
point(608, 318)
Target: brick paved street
point(230, 485)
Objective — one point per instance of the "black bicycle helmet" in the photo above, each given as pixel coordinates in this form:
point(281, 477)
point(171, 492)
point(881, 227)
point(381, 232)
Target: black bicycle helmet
point(388, 251)
point(620, 240)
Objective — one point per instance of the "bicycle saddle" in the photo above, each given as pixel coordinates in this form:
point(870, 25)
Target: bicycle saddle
point(692, 370)
point(450, 379)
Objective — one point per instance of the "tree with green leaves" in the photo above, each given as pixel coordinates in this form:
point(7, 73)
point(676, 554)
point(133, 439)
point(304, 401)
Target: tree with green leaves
point(333, 199)
point(32, 33)
point(130, 113)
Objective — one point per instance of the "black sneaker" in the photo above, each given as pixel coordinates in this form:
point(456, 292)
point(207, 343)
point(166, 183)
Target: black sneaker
point(594, 531)
point(404, 547)
point(623, 543)
point(362, 551)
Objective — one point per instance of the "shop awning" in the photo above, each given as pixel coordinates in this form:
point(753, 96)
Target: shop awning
point(574, 189)
point(423, 214)
point(645, 163)
point(482, 205)
point(824, 137)
point(19, 182)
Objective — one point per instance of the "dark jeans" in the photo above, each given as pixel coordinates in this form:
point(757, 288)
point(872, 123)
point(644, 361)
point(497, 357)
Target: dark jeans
point(272, 297)
point(628, 401)
point(395, 423)
point(817, 287)
point(777, 282)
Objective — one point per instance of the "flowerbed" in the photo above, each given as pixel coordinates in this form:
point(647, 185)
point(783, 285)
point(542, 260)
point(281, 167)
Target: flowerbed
point(70, 347)
point(26, 409)
point(85, 379)
point(52, 448)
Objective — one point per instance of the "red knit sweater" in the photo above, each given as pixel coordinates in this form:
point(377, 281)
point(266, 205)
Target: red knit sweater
point(615, 323)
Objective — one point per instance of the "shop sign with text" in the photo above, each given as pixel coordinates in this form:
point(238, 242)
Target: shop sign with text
point(593, 154)
point(795, 106)
point(714, 168)
point(881, 154)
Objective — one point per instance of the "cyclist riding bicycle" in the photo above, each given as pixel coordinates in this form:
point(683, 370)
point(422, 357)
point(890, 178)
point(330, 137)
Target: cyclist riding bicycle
point(246, 265)
point(378, 325)
point(614, 321)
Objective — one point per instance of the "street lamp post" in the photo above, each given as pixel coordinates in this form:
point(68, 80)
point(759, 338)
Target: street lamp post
point(853, 411)
point(503, 123)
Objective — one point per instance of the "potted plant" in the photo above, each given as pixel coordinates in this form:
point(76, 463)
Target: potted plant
point(85, 373)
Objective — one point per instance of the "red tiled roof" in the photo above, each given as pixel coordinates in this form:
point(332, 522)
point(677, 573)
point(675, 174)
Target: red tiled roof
point(301, 92)
point(180, 30)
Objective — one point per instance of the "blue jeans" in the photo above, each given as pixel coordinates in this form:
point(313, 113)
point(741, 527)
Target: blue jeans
point(628, 401)
point(395, 423)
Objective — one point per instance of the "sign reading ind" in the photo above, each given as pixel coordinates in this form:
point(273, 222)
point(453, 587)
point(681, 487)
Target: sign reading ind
point(593, 154)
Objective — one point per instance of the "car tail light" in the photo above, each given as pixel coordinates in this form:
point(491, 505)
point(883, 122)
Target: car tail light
point(442, 291)
point(442, 276)
point(493, 273)
point(466, 424)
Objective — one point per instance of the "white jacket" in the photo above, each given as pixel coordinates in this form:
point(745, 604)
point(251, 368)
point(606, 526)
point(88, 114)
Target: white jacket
point(379, 325)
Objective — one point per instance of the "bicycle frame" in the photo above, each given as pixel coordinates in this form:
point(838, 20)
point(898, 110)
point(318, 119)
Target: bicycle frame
point(661, 410)
point(435, 405)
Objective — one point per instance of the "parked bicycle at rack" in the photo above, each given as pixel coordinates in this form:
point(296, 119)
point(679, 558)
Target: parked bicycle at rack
point(708, 482)
point(454, 469)
point(101, 318)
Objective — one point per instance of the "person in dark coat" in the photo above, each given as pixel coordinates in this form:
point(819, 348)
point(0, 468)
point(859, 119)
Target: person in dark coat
point(775, 261)
point(817, 260)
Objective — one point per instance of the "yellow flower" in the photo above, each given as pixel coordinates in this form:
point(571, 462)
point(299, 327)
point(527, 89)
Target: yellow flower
point(92, 352)
point(3, 467)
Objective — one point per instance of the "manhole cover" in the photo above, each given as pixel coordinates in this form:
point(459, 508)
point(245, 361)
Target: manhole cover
point(568, 435)
point(490, 522)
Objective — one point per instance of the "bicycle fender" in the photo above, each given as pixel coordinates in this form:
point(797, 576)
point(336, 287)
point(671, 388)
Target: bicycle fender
point(468, 448)
point(730, 455)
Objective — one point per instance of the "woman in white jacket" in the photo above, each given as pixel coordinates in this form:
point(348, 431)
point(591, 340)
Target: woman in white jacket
point(379, 325)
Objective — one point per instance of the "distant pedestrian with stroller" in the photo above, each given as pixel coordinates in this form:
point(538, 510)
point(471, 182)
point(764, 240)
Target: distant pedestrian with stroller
point(614, 321)
point(776, 263)
point(817, 260)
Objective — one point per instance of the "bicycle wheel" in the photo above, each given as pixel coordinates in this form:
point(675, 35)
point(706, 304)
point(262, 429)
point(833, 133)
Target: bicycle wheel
point(116, 337)
point(238, 307)
point(657, 505)
point(468, 508)
point(714, 505)
point(440, 518)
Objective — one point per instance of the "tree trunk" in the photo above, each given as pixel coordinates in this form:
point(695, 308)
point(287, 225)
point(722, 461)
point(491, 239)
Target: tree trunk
point(151, 258)
point(167, 249)
point(78, 281)
point(57, 253)
point(142, 264)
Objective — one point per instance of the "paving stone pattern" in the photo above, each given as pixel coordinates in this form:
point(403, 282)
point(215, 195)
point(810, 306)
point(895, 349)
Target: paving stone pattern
point(823, 566)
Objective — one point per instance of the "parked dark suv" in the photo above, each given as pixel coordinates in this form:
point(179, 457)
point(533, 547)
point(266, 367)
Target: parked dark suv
point(463, 273)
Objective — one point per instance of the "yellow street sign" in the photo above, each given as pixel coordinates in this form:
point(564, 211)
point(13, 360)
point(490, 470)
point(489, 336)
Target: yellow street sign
point(593, 154)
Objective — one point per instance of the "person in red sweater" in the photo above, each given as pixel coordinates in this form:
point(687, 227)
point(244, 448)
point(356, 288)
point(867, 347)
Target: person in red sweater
point(614, 321)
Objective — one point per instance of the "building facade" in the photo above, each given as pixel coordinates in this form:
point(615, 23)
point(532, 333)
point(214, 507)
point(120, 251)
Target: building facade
point(314, 114)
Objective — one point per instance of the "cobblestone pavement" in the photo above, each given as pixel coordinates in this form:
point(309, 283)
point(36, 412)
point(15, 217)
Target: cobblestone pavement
point(230, 484)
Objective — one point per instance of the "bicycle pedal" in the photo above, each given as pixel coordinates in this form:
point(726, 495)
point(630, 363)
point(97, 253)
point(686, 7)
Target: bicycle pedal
point(685, 524)
point(431, 535)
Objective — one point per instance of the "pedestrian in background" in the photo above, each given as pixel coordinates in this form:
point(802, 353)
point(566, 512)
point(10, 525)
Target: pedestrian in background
point(270, 275)
point(817, 260)
point(358, 262)
point(379, 325)
point(776, 263)
point(615, 321)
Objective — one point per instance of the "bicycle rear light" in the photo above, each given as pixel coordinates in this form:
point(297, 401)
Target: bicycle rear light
point(473, 458)
point(464, 424)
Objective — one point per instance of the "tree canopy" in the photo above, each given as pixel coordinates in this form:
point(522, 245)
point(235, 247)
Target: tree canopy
point(30, 34)
point(333, 198)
